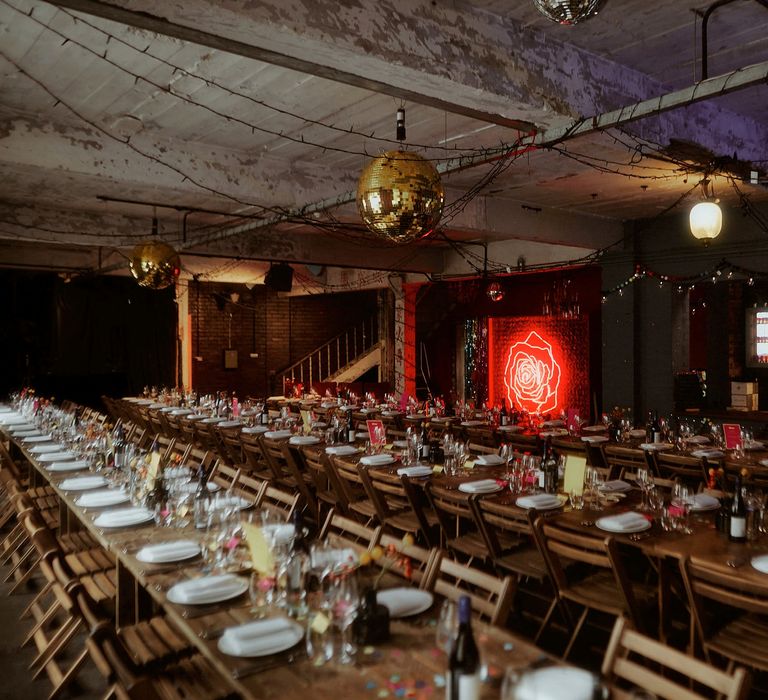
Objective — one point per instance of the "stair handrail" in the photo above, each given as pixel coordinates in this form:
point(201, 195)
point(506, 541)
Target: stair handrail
point(369, 331)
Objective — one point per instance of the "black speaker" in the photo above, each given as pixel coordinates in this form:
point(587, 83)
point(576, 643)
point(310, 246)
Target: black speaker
point(279, 278)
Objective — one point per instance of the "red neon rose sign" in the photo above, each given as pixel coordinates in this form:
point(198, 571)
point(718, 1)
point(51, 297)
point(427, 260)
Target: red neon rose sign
point(532, 376)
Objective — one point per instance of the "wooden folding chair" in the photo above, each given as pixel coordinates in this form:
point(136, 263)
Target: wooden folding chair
point(605, 586)
point(621, 460)
point(254, 461)
point(690, 470)
point(278, 452)
point(352, 493)
point(316, 464)
point(457, 522)
point(639, 662)
point(341, 531)
point(491, 596)
point(424, 563)
point(279, 501)
point(729, 613)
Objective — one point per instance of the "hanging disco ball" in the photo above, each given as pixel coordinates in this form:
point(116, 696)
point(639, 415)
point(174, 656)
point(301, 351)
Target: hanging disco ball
point(155, 265)
point(494, 291)
point(568, 11)
point(400, 196)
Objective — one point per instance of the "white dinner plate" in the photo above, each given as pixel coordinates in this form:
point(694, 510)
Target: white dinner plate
point(546, 505)
point(227, 594)
point(467, 487)
point(489, 461)
point(656, 446)
point(239, 501)
point(404, 602)
point(124, 517)
point(83, 483)
point(594, 429)
point(305, 440)
point(287, 638)
point(415, 471)
point(640, 527)
point(760, 563)
point(379, 460)
point(594, 438)
point(702, 502)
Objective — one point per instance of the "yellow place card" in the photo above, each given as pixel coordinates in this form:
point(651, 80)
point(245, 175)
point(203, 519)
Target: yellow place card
point(437, 469)
point(320, 623)
point(390, 446)
point(154, 465)
point(261, 555)
point(306, 419)
point(573, 473)
point(469, 464)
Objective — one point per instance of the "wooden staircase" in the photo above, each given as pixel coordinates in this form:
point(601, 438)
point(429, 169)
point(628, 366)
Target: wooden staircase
point(343, 358)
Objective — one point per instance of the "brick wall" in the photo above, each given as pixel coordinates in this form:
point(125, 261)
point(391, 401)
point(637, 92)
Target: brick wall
point(279, 329)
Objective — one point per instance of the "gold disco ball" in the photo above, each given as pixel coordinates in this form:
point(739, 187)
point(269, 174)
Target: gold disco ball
point(155, 264)
point(400, 196)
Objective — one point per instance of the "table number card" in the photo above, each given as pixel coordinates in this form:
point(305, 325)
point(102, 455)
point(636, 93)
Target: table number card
point(732, 435)
point(261, 554)
point(376, 432)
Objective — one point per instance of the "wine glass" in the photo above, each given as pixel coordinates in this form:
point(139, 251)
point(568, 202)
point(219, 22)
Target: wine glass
point(346, 601)
point(446, 625)
point(642, 477)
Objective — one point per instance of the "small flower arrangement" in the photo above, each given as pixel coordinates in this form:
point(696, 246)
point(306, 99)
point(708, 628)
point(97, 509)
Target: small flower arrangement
point(388, 558)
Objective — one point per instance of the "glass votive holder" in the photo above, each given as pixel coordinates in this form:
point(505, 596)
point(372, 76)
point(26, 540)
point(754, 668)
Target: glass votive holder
point(577, 499)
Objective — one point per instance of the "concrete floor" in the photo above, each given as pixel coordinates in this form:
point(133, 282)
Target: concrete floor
point(15, 677)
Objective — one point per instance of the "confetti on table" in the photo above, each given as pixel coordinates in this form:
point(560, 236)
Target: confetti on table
point(508, 646)
point(400, 693)
point(439, 681)
point(421, 684)
point(394, 679)
point(383, 693)
point(482, 638)
point(369, 650)
point(370, 685)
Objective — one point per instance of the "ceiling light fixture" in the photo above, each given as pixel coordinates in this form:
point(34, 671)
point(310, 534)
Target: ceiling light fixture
point(155, 264)
point(706, 218)
point(399, 194)
point(568, 11)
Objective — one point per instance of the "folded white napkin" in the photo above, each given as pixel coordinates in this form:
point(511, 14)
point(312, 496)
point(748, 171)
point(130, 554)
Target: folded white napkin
point(390, 413)
point(101, 499)
point(55, 456)
point(708, 454)
point(623, 521)
point(479, 486)
point(341, 450)
point(416, 416)
point(43, 449)
point(539, 500)
point(617, 485)
point(304, 440)
point(277, 434)
point(255, 430)
point(32, 439)
point(229, 424)
point(254, 638)
point(594, 429)
point(168, 551)
point(328, 558)
point(180, 412)
point(197, 416)
point(416, 470)
point(594, 438)
point(553, 423)
point(403, 444)
point(489, 460)
point(82, 483)
point(213, 419)
point(655, 446)
point(637, 432)
point(510, 428)
point(368, 410)
point(207, 589)
point(556, 683)
point(554, 432)
point(25, 432)
point(471, 423)
point(72, 466)
point(347, 407)
point(377, 460)
point(122, 517)
point(703, 501)
point(280, 533)
point(697, 440)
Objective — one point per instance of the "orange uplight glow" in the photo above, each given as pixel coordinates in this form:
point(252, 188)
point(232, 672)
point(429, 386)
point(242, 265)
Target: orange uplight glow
point(532, 375)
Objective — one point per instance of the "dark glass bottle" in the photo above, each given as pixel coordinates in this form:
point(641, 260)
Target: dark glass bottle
point(371, 626)
point(503, 415)
point(424, 440)
point(549, 467)
point(351, 434)
point(655, 428)
point(737, 531)
point(463, 681)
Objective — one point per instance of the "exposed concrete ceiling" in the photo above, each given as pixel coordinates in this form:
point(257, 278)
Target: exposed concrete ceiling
point(261, 108)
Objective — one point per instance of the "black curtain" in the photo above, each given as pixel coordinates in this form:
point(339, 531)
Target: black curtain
point(87, 337)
